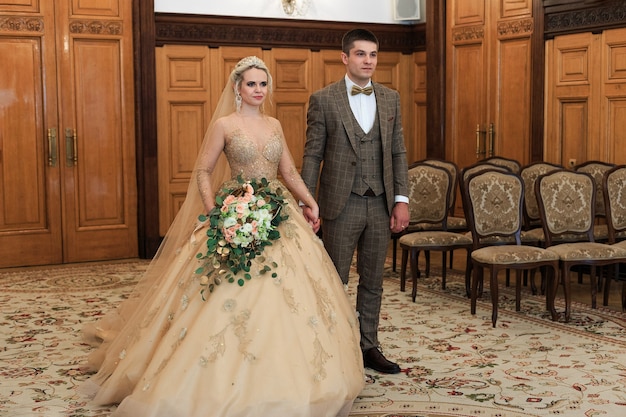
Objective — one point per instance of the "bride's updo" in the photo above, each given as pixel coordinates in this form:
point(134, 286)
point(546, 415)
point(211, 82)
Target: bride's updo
point(236, 76)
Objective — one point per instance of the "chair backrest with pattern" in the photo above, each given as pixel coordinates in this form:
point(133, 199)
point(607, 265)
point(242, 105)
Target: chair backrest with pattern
point(511, 164)
point(494, 201)
point(454, 174)
point(529, 174)
point(614, 191)
point(597, 170)
point(429, 191)
point(566, 202)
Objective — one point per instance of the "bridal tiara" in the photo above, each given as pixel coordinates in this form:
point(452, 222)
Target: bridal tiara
point(250, 61)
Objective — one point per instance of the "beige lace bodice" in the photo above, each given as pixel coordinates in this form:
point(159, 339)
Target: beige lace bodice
point(248, 160)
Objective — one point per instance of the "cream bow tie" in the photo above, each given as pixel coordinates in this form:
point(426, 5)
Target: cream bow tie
point(358, 90)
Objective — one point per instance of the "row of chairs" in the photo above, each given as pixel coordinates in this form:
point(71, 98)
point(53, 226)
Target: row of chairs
point(540, 217)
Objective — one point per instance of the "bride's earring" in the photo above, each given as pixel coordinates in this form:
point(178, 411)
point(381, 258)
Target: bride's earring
point(237, 101)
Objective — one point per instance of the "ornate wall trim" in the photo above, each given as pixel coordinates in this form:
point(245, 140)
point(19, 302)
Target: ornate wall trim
point(515, 28)
point(21, 24)
point(468, 33)
point(96, 27)
point(215, 31)
point(582, 16)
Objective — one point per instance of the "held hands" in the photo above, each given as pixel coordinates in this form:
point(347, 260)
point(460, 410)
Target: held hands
point(399, 217)
point(312, 217)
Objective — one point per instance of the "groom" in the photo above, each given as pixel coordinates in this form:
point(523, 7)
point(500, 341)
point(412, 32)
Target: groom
point(354, 135)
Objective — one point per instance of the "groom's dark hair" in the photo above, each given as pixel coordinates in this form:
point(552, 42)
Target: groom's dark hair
point(347, 42)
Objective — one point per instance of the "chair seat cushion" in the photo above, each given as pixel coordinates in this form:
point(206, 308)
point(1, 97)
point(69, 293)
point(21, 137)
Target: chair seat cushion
point(587, 250)
point(434, 238)
point(512, 254)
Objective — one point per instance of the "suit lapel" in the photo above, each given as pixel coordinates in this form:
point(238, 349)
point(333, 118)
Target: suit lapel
point(345, 112)
point(383, 113)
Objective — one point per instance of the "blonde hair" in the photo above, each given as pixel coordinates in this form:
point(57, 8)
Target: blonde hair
point(236, 76)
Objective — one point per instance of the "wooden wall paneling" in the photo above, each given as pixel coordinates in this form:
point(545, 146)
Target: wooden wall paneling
point(190, 81)
point(436, 78)
point(146, 132)
point(292, 75)
point(572, 122)
point(329, 67)
point(183, 75)
point(416, 145)
point(613, 106)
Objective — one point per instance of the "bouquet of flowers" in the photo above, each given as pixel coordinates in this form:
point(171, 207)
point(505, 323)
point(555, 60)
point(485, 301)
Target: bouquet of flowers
point(243, 222)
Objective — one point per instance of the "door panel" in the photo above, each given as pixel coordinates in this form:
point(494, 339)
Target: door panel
point(97, 120)
point(30, 206)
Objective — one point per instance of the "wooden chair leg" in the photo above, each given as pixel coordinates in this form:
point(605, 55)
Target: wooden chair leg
point(552, 283)
point(593, 277)
point(518, 289)
point(493, 289)
point(443, 270)
point(566, 291)
point(405, 258)
point(477, 272)
point(607, 285)
point(415, 272)
point(468, 274)
point(394, 252)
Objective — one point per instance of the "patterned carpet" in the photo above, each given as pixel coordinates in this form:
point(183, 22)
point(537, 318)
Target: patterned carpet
point(454, 364)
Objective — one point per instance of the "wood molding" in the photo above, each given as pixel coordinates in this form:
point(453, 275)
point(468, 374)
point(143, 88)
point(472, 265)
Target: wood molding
point(576, 16)
point(146, 133)
point(215, 31)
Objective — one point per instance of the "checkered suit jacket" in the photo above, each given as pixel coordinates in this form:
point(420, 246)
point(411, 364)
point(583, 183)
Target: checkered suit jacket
point(330, 146)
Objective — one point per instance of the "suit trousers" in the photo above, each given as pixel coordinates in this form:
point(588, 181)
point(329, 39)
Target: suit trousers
point(362, 225)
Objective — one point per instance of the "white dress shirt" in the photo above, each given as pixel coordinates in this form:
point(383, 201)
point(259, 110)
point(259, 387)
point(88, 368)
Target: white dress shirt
point(363, 106)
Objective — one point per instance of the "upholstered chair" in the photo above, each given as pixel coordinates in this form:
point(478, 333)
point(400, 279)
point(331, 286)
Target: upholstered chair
point(597, 169)
point(566, 202)
point(614, 193)
point(532, 229)
point(494, 202)
point(429, 190)
point(455, 223)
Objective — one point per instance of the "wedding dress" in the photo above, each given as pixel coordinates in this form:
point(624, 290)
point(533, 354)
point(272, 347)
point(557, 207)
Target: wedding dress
point(283, 346)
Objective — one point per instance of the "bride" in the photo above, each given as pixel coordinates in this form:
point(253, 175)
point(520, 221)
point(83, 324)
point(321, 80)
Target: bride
point(207, 333)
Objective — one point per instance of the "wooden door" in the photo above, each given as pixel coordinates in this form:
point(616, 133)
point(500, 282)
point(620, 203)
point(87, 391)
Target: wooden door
point(488, 80)
point(69, 137)
point(94, 43)
point(30, 202)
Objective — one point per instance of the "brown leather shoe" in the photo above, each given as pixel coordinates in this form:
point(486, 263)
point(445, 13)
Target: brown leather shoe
point(374, 359)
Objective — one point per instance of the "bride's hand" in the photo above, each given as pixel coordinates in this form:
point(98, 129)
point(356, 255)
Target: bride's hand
point(312, 217)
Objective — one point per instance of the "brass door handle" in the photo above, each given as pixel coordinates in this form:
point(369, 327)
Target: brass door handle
point(492, 135)
point(52, 146)
point(479, 142)
point(71, 156)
